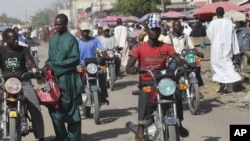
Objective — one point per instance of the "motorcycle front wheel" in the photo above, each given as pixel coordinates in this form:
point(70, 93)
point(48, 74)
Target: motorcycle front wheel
point(96, 112)
point(13, 130)
point(112, 79)
point(194, 99)
point(172, 133)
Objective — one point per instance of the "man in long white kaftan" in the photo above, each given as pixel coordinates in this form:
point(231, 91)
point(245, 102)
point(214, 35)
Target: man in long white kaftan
point(224, 45)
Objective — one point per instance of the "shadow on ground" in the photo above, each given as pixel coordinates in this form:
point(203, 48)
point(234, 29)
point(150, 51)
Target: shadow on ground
point(110, 115)
point(108, 134)
point(207, 105)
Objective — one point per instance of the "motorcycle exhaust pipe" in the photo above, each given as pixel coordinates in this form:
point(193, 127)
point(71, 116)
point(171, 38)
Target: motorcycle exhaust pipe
point(131, 126)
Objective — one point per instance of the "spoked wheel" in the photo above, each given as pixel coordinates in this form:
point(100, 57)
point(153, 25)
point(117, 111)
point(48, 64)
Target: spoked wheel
point(96, 112)
point(194, 100)
point(112, 79)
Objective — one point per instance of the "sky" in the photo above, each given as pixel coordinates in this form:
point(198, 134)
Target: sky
point(22, 9)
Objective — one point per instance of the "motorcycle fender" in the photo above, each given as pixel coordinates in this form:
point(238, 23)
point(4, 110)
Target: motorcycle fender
point(170, 120)
point(13, 114)
point(94, 88)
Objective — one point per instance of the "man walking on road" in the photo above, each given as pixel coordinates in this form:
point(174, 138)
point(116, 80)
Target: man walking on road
point(121, 36)
point(63, 57)
point(224, 45)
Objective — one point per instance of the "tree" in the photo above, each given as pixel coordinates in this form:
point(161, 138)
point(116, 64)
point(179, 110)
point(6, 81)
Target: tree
point(137, 7)
point(4, 19)
point(43, 17)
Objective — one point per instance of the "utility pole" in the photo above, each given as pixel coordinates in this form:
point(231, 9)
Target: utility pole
point(100, 12)
point(162, 6)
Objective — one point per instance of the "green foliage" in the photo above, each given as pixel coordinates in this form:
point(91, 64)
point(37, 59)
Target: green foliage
point(4, 19)
point(43, 17)
point(137, 7)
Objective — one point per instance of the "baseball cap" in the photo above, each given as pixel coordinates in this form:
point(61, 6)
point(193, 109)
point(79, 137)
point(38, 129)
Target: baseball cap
point(106, 27)
point(84, 26)
point(154, 21)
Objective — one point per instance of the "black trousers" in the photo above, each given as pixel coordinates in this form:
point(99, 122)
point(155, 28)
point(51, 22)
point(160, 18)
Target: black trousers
point(145, 109)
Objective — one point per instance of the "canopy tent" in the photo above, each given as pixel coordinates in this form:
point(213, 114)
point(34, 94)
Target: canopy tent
point(172, 15)
point(208, 11)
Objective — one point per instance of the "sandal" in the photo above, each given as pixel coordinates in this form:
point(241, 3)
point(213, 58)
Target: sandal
point(184, 132)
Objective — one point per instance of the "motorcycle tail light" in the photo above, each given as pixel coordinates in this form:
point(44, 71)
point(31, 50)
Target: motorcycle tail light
point(183, 86)
point(147, 89)
point(13, 86)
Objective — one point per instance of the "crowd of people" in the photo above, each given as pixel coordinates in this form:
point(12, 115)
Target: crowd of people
point(137, 43)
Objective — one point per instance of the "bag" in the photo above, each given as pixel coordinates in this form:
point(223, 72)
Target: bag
point(49, 94)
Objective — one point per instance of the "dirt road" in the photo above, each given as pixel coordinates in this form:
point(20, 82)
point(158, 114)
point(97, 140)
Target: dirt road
point(217, 112)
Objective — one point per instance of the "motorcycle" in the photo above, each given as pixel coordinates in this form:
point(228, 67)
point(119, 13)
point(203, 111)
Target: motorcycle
point(33, 52)
point(91, 88)
point(110, 63)
point(14, 113)
point(162, 91)
point(187, 76)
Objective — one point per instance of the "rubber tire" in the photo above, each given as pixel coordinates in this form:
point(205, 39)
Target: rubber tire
point(194, 103)
point(172, 133)
point(96, 112)
point(112, 79)
point(12, 129)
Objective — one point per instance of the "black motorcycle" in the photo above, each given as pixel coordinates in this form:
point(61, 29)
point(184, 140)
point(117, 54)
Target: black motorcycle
point(162, 91)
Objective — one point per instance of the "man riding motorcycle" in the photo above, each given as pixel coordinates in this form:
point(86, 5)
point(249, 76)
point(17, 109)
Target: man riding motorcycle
point(109, 42)
point(149, 54)
point(88, 46)
point(13, 59)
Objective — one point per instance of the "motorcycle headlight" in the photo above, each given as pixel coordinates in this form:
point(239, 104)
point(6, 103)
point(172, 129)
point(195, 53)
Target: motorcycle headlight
point(13, 85)
point(167, 87)
point(190, 58)
point(110, 54)
point(91, 68)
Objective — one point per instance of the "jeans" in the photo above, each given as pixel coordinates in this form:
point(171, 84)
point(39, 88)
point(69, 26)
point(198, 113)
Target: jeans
point(145, 109)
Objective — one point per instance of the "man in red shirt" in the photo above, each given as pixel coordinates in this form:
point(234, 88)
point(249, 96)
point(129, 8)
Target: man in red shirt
point(153, 54)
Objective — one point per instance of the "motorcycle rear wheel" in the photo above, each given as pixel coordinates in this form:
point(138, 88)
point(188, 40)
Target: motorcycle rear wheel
point(96, 112)
point(194, 100)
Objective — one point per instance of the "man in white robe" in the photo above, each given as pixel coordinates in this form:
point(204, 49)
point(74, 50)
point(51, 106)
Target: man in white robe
point(121, 36)
point(224, 45)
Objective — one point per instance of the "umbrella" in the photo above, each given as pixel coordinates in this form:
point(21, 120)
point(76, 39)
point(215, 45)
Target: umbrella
point(235, 15)
point(130, 19)
point(111, 18)
point(172, 15)
point(246, 6)
point(144, 18)
point(208, 11)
